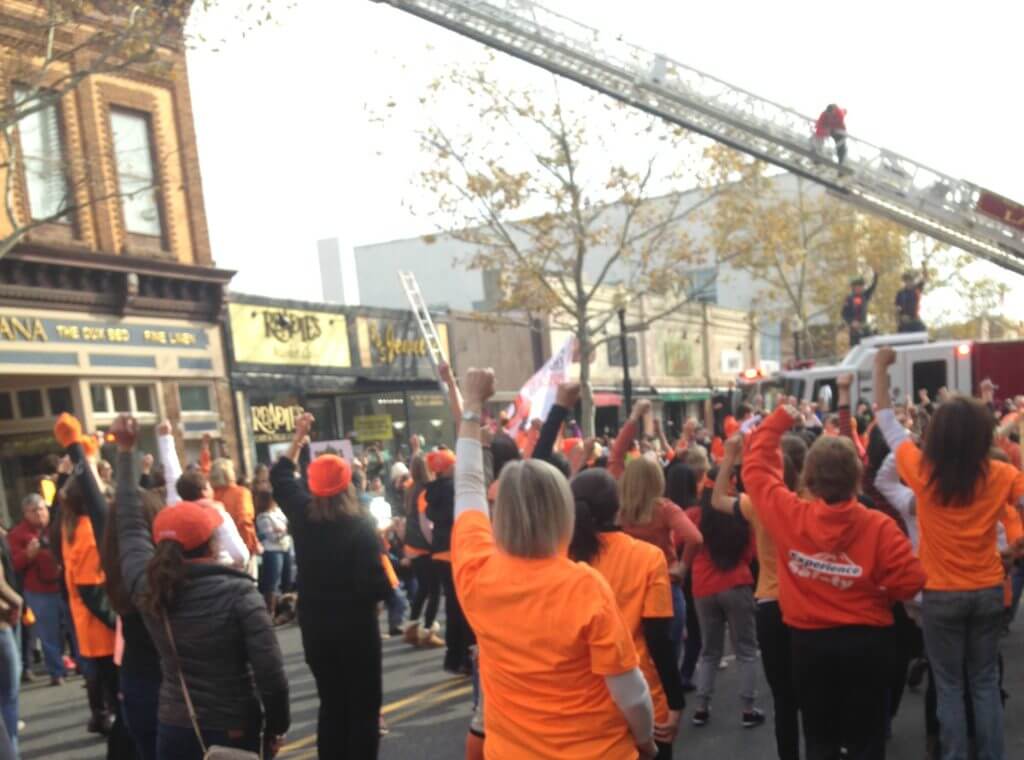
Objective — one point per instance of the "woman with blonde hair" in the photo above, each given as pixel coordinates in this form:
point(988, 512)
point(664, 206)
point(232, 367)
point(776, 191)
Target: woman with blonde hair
point(558, 664)
point(237, 500)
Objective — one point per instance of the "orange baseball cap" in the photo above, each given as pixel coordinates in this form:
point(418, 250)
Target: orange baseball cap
point(440, 460)
point(328, 475)
point(186, 523)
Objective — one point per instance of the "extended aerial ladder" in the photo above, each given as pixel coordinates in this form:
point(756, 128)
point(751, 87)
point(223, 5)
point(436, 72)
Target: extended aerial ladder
point(425, 324)
point(953, 211)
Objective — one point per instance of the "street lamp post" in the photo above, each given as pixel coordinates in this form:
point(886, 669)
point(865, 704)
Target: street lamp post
point(627, 384)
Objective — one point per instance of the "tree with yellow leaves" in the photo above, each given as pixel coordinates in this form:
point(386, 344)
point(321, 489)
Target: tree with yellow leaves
point(567, 200)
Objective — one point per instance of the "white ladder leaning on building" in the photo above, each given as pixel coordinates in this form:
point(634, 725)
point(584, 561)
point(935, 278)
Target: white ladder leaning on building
point(425, 323)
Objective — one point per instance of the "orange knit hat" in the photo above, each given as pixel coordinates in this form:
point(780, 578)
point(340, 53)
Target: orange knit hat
point(440, 461)
point(328, 475)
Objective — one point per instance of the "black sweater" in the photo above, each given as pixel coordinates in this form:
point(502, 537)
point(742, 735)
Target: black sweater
point(341, 577)
point(441, 511)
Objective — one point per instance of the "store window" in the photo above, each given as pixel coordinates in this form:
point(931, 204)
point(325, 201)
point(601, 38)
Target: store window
point(195, 398)
point(123, 399)
point(136, 171)
point(98, 395)
point(30, 404)
point(43, 158)
point(60, 401)
point(6, 407)
point(121, 394)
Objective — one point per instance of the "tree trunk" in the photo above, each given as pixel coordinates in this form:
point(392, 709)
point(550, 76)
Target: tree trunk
point(587, 395)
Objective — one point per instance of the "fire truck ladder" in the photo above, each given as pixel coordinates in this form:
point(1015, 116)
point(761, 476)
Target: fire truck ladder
point(425, 322)
point(879, 180)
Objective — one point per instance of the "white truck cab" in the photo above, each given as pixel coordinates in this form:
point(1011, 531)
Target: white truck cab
point(920, 364)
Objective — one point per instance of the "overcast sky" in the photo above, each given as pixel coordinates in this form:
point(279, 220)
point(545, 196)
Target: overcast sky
point(287, 151)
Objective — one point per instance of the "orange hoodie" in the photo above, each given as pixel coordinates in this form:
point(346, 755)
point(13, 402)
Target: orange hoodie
point(839, 564)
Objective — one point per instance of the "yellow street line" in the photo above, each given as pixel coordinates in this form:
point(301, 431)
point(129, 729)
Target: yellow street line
point(385, 710)
point(433, 702)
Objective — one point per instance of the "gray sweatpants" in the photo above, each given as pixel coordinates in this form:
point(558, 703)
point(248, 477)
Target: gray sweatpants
point(736, 607)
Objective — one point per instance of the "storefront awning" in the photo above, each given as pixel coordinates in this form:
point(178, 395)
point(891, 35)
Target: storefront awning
point(607, 399)
point(694, 395)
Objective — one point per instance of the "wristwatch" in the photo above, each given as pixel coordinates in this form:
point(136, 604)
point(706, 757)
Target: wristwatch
point(470, 416)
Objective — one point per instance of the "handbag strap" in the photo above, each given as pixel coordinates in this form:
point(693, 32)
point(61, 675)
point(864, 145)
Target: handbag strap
point(184, 686)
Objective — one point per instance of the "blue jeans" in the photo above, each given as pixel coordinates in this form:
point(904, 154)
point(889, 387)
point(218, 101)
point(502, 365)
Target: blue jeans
point(140, 698)
point(272, 571)
point(180, 743)
point(395, 600)
point(961, 634)
point(10, 679)
point(52, 618)
point(1017, 580)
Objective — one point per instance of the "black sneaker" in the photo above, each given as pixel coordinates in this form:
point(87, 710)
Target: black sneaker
point(701, 717)
point(753, 718)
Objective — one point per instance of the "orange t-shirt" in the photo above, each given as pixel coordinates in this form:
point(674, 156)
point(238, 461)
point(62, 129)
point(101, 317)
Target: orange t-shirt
point(549, 632)
point(956, 541)
point(82, 568)
point(767, 558)
point(638, 575)
point(237, 500)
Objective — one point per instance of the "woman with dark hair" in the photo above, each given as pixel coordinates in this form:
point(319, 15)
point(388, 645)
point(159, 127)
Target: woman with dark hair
point(960, 496)
point(773, 635)
point(341, 579)
point(723, 592)
point(418, 536)
point(222, 675)
point(638, 576)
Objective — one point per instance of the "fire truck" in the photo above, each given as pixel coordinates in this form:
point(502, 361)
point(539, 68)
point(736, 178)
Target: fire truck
point(959, 366)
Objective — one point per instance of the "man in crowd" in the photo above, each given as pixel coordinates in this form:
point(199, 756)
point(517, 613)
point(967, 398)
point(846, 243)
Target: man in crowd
point(35, 563)
point(908, 302)
point(855, 309)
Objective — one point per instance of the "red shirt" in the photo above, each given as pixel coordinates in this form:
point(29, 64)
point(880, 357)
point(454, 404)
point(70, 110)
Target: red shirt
point(707, 578)
point(829, 122)
point(41, 574)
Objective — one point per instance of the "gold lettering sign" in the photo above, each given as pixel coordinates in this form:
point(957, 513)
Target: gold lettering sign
point(273, 422)
point(389, 347)
point(262, 335)
point(22, 329)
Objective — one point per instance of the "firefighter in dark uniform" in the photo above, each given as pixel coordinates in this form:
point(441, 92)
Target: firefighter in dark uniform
point(855, 309)
point(908, 302)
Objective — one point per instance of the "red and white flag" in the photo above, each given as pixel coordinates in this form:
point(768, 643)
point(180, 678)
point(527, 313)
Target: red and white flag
point(537, 396)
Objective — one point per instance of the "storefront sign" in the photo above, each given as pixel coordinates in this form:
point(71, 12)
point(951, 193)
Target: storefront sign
point(374, 427)
point(388, 347)
point(1002, 209)
point(395, 348)
point(271, 422)
point(28, 328)
point(264, 335)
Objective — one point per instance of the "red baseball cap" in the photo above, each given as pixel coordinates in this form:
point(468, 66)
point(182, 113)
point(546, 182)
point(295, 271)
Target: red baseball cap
point(440, 460)
point(186, 523)
point(328, 475)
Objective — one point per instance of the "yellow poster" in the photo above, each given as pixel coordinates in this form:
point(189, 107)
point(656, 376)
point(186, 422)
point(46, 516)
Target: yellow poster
point(374, 427)
point(265, 335)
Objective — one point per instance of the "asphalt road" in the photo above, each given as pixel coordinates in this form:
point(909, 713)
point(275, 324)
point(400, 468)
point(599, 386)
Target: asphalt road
point(428, 710)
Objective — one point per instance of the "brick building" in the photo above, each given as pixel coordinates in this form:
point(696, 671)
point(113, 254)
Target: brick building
point(110, 300)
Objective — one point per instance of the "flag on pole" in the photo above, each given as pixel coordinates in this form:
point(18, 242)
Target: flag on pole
point(537, 396)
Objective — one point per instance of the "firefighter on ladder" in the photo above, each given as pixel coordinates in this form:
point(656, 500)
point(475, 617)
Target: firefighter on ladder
point(831, 123)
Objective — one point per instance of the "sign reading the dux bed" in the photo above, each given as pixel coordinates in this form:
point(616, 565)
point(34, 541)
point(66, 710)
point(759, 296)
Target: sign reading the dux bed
point(27, 328)
point(267, 335)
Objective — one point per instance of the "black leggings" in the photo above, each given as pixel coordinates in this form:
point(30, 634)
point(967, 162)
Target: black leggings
point(347, 670)
point(428, 589)
point(774, 637)
point(457, 635)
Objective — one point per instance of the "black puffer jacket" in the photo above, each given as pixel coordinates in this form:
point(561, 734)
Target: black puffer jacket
point(229, 654)
point(441, 512)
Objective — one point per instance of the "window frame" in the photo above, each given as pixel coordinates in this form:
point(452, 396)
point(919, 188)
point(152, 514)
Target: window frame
point(44, 389)
point(140, 241)
point(102, 417)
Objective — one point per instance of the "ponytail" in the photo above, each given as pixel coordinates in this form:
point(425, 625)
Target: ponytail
point(165, 576)
point(597, 506)
point(585, 543)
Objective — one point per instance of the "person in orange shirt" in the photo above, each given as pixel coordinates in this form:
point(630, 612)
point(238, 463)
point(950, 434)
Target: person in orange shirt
point(557, 663)
point(961, 495)
point(638, 575)
point(773, 634)
point(840, 567)
point(91, 612)
point(237, 500)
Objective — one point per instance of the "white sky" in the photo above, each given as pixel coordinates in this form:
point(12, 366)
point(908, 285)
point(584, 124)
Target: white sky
point(288, 154)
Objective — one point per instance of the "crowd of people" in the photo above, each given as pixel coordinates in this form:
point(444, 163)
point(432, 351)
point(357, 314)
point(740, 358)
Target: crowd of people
point(587, 585)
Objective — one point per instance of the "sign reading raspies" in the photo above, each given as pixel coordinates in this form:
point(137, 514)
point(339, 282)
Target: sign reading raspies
point(1002, 209)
